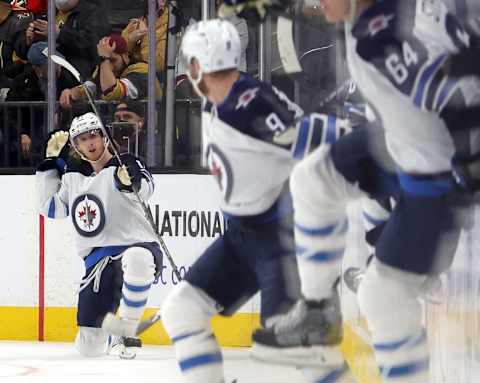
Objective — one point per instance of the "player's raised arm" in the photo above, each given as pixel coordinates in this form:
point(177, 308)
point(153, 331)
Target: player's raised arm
point(52, 199)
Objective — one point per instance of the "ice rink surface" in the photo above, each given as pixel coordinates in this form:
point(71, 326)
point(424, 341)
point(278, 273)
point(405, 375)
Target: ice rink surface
point(60, 363)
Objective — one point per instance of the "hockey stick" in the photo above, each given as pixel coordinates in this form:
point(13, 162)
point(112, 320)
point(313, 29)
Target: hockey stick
point(146, 210)
point(145, 324)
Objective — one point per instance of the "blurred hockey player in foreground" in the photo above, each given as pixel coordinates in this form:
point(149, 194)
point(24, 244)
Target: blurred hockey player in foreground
point(398, 54)
point(122, 257)
point(252, 140)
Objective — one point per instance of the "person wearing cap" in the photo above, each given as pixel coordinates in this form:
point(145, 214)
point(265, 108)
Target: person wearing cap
point(129, 118)
point(117, 78)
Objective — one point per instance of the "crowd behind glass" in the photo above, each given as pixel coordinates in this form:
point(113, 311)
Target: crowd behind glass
point(108, 43)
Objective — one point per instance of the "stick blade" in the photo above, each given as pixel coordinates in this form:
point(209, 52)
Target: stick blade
point(65, 64)
point(286, 46)
point(147, 323)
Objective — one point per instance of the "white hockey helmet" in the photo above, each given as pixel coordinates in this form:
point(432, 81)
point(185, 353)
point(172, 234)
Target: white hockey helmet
point(83, 124)
point(214, 43)
point(88, 122)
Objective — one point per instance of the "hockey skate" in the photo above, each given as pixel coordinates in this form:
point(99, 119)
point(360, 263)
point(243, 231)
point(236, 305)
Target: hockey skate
point(119, 326)
point(123, 347)
point(308, 336)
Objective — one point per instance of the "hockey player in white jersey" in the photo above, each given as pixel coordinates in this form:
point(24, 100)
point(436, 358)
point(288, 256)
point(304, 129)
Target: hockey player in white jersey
point(398, 52)
point(120, 251)
point(251, 140)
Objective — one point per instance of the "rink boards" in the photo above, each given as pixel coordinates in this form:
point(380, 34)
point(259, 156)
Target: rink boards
point(40, 274)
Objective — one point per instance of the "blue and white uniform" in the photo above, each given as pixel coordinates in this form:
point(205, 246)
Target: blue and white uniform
point(252, 140)
point(396, 51)
point(120, 250)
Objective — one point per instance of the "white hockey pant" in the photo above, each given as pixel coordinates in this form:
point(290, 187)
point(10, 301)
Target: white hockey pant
point(320, 197)
point(186, 315)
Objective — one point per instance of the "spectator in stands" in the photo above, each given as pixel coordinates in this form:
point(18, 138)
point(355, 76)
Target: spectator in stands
point(118, 78)
point(31, 85)
point(14, 20)
point(79, 26)
point(129, 128)
point(136, 35)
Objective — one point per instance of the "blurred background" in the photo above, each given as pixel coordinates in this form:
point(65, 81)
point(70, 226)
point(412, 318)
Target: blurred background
point(152, 111)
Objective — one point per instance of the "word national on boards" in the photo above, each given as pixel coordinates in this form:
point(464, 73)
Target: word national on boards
point(194, 223)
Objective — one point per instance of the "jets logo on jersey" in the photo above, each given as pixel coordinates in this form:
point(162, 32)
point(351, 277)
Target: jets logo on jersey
point(220, 169)
point(88, 215)
point(246, 98)
point(378, 24)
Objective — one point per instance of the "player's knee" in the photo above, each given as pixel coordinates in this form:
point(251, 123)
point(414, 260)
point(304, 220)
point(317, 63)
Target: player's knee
point(138, 263)
point(387, 295)
point(187, 309)
point(91, 342)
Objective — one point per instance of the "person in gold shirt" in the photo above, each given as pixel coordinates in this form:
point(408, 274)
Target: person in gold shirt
point(136, 35)
point(117, 78)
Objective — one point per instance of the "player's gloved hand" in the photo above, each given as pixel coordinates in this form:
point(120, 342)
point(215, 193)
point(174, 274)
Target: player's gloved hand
point(123, 176)
point(128, 176)
point(255, 10)
point(56, 143)
point(57, 147)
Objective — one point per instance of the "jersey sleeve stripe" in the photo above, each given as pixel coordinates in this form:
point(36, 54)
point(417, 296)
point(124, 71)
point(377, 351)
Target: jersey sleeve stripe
point(148, 177)
point(425, 78)
point(317, 133)
point(432, 92)
point(444, 93)
point(51, 208)
point(302, 138)
point(331, 130)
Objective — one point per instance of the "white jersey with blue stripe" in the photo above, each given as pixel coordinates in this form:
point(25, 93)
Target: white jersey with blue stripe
point(395, 52)
point(253, 139)
point(102, 215)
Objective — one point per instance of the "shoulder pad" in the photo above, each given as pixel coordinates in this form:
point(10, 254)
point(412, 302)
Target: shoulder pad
point(257, 109)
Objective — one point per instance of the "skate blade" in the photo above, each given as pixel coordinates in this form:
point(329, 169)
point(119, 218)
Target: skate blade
point(128, 354)
point(312, 356)
point(119, 350)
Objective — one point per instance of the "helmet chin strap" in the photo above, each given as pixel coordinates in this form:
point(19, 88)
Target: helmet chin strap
point(353, 10)
point(196, 82)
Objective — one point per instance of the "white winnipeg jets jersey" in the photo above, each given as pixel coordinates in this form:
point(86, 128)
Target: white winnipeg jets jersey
point(252, 140)
point(395, 53)
point(101, 214)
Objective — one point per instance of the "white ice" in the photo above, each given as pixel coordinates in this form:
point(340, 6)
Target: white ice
point(60, 363)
